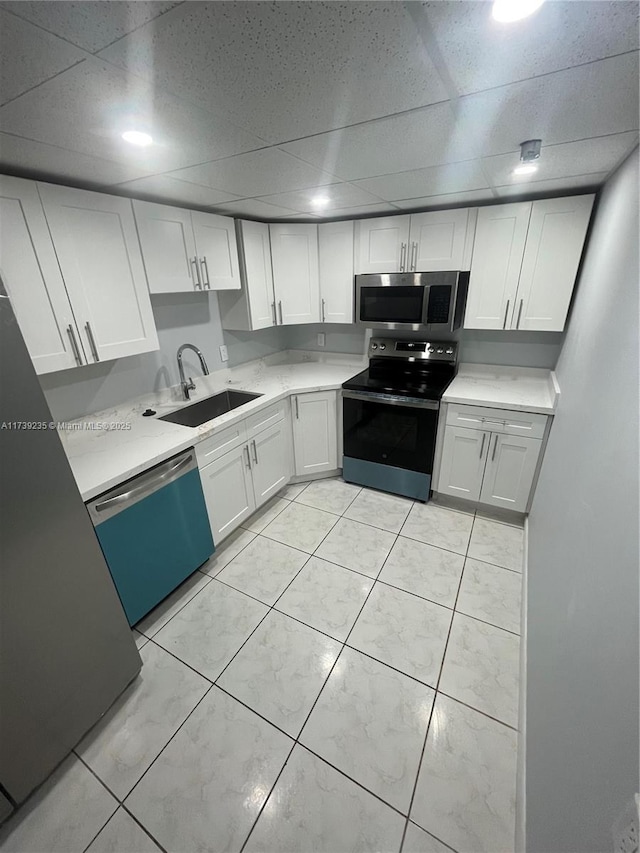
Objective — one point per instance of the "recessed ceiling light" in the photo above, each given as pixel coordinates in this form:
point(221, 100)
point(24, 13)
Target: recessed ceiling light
point(525, 169)
point(320, 201)
point(506, 11)
point(137, 137)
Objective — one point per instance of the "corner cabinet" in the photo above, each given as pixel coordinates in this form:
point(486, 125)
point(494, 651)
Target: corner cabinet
point(253, 307)
point(524, 265)
point(294, 258)
point(335, 248)
point(315, 432)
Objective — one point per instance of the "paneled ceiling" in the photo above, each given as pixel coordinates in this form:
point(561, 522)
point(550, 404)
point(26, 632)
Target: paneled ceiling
point(257, 107)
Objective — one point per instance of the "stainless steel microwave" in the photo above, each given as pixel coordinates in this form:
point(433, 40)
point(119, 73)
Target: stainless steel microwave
point(424, 301)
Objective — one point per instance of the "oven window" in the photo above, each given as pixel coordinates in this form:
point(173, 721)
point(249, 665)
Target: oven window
point(391, 435)
point(391, 304)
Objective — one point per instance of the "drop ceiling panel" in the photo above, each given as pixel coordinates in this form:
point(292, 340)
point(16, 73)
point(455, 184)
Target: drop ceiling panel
point(253, 207)
point(339, 195)
point(162, 188)
point(91, 26)
point(437, 180)
point(561, 185)
point(86, 108)
point(29, 56)
point(481, 53)
point(257, 173)
point(286, 70)
point(445, 199)
point(557, 161)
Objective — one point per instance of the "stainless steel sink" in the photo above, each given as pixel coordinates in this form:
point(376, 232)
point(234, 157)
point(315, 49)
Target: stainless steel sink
point(212, 407)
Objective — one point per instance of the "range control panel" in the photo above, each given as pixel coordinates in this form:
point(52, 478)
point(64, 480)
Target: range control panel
point(418, 350)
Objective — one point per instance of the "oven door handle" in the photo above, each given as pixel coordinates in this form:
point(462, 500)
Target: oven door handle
point(391, 400)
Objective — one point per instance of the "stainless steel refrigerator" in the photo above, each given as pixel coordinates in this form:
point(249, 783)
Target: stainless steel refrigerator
point(66, 650)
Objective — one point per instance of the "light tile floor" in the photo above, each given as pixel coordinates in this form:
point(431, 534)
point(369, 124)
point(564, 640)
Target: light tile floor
point(341, 676)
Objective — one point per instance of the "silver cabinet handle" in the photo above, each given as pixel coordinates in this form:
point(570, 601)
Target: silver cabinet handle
point(163, 475)
point(246, 450)
point(484, 436)
point(495, 447)
point(197, 284)
point(506, 311)
point(297, 410)
point(205, 271)
point(273, 308)
point(92, 342)
point(519, 313)
point(403, 256)
point(414, 256)
point(255, 451)
point(280, 309)
point(323, 304)
point(74, 344)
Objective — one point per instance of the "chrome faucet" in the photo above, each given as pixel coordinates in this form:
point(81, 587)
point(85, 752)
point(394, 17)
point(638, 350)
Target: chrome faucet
point(189, 385)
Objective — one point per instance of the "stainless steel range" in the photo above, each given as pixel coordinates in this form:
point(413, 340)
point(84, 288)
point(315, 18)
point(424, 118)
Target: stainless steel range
point(390, 415)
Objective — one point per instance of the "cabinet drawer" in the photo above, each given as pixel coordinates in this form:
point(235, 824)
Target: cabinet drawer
point(266, 418)
point(222, 442)
point(497, 420)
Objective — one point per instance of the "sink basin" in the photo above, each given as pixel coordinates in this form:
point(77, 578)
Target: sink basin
point(212, 407)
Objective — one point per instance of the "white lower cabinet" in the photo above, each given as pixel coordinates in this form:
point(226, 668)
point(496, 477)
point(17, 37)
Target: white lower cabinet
point(270, 461)
point(228, 491)
point(315, 432)
point(511, 465)
point(463, 462)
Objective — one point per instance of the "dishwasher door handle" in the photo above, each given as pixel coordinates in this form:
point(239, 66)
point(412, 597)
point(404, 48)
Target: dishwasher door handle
point(159, 478)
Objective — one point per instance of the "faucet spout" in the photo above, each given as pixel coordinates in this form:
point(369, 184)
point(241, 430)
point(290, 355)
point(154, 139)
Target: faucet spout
point(189, 385)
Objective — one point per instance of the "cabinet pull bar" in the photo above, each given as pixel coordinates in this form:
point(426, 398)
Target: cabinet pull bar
point(297, 410)
point(495, 447)
point(248, 458)
point(403, 256)
point(519, 313)
point(280, 309)
point(74, 344)
point(506, 311)
point(255, 451)
point(197, 284)
point(323, 311)
point(414, 256)
point(273, 309)
point(92, 342)
point(484, 436)
point(205, 271)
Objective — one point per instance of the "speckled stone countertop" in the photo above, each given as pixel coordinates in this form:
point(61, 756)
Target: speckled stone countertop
point(523, 389)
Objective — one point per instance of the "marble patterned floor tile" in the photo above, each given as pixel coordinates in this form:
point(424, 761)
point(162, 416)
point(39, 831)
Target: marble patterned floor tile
point(388, 512)
point(500, 544)
point(291, 492)
point(515, 520)
point(467, 783)
point(315, 809)
point(492, 594)
point(481, 668)
point(326, 597)
point(301, 527)
point(124, 742)
point(227, 550)
point(416, 840)
point(281, 670)
point(435, 525)
point(370, 722)
point(425, 570)
point(123, 835)
point(208, 632)
point(150, 624)
point(357, 546)
point(140, 639)
point(264, 569)
point(207, 788)
point(62, 816)
point(332, 495)
point(403, 631)
point(257, 522)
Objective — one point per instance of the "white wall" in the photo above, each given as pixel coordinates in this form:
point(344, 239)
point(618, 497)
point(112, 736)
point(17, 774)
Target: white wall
point(582, 670)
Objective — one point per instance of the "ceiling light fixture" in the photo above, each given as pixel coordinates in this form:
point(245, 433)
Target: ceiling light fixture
point(507, 11)
point(525, 169)
point(320, 201)
point(529, 154)
point(137, 137)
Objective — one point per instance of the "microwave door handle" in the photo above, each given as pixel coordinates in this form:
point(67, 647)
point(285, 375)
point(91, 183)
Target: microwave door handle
point(425, 306)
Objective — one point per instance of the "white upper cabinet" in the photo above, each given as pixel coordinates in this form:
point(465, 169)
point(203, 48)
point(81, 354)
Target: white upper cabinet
point(501, 233)
point(437, 240)
point(557, 231)
point(335, 247)
point(382, 244)
point(525, 262)
point(31, 275)
point(252, 307)
point(99, 255)
point(294, 257)
point(168, 247)
point(217, 251)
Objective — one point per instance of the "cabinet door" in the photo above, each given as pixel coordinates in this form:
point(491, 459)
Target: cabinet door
point(437, 240)
point(294, 255)
point(31, 275)
point(335, 246)
point(97, 246)
point(270, 461)
point(258, 277)
point(315, 432)
point(464, 453)
point(508, 478)
point(498, 249)
point(383, 244)
point(228, 491)
point(217, 251)
point(168, 247)
point(555, 240)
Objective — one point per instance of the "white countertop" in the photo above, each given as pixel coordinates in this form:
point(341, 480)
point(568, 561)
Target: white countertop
point(102, 456)
point(523, 389)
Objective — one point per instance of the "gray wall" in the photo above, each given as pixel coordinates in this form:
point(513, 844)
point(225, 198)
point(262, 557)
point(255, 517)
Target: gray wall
point(582, 652)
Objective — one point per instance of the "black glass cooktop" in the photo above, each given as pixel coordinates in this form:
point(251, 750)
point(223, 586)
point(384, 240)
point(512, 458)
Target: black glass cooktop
point(406, 379)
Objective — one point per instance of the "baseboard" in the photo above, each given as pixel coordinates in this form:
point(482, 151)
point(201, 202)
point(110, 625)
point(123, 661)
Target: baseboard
point(521, 790)
point(308, 478)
